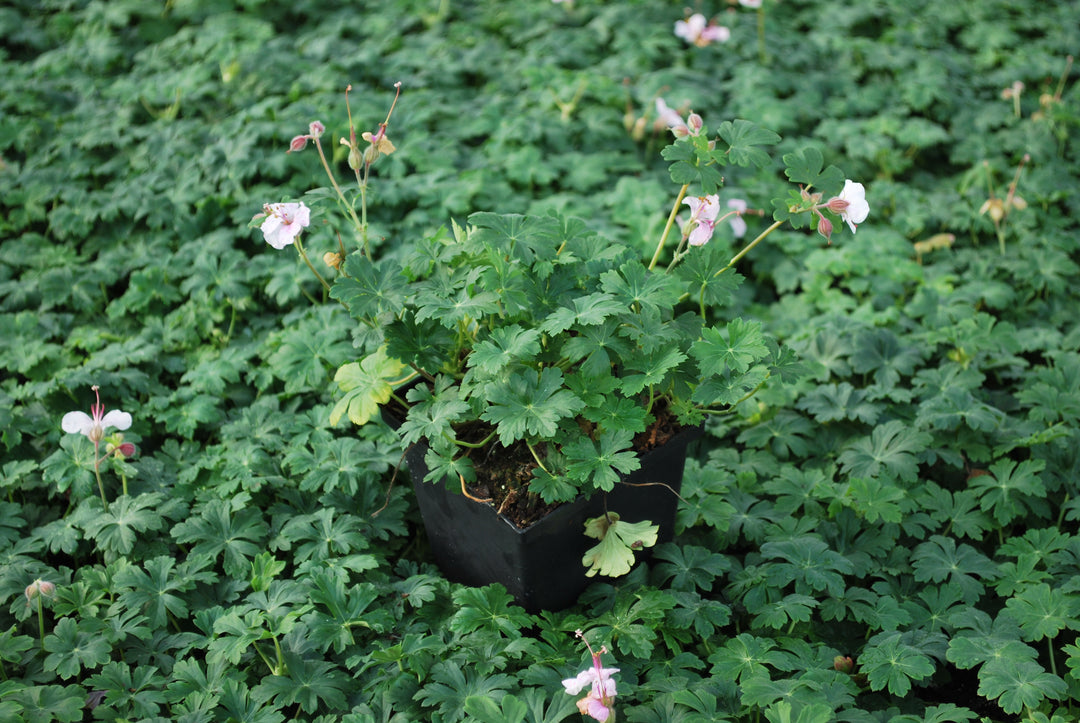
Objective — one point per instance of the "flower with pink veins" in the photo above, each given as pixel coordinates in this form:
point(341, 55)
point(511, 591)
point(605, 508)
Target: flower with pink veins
point(703, 212)
point(284, 222)
point(697, 31)
point(851, 204)
point(94, 425)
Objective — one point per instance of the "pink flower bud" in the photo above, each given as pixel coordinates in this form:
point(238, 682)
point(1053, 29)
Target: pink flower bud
point(837, 204)
point(39, 587)
point(316, 129)
point(695, 123)
point(843, 663)
point(298, 143)
point(825, 227)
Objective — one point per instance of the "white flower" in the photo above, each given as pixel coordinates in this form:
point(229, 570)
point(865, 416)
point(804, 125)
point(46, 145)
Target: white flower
point(697, 31)
point(750, 3)
point(855, 209)
point(284, 222)
point(94, 427)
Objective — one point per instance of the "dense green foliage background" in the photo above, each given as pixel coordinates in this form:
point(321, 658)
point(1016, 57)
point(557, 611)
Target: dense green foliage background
point(911, 503)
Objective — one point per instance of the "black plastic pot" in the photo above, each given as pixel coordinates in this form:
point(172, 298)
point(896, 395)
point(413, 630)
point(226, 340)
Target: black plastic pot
point(541, 564)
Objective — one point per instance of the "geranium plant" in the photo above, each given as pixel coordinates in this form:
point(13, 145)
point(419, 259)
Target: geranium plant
point(539, 341)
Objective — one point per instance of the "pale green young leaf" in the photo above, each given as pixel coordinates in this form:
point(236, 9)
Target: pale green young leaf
point(614, 555)
point(367, 384)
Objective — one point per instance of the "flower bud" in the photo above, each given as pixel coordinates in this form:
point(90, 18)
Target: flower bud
point(638, 131)
point(695, 123)
point(837, 204)
point(843, 663)
point(825, 227)
point(298, 143)
point(332, 259)
point(315, 129)
point(39, 587)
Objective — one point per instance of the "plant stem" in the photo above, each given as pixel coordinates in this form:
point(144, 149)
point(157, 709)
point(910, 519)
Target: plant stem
point(537, 457)
point(304, 256)
point(41, 620)
point(97, 473)
point(667, 227)
point(737, 257)
point(333, 182)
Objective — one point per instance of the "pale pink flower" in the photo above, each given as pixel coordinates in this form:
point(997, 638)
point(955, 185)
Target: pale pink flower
point(697, 31)
point(600, 699)
point(671, 118)
point(93, 427)
point(284, 222)
point(703, 212)
point(738, 225)
point(851, 204)
point(750, 3)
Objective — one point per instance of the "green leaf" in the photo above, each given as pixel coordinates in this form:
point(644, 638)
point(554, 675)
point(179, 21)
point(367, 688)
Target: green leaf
point(890, 663)
point(891, 447)
point(505, 346)
point(743, 138)
point(635, 286)
point(311, 684)
point(486, 710)
point(72, 650)
point(805, 167)
point(370, 290)
point(601, 462)
point(614, 556)
point(47, 703)
point(1043, 611)
point(745, 656)
point(488, 608)
point(530, 404)
point(1019, 685)
point(1007, 490)
point(366, 385)
point(735, 347)
point(939, 559)
point(586, 310)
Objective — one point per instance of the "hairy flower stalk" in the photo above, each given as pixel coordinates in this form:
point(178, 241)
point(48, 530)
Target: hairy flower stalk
point(93, 427)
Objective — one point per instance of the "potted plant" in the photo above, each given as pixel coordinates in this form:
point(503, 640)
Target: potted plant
point(532, 367)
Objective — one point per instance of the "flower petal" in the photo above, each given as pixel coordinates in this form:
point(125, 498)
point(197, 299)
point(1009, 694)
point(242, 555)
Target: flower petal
point(116, 418)
point(76, 423)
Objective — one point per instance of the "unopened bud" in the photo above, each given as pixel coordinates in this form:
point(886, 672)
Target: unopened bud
point(837, 204)
point(39, 587)
point(825, 228)
point(695, 123)
point(298, 143)
point(638, 131)
point(332, 259)
point(843, 663)
point(315, 129)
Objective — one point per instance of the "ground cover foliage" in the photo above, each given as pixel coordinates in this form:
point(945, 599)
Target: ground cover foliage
point(891, 538)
